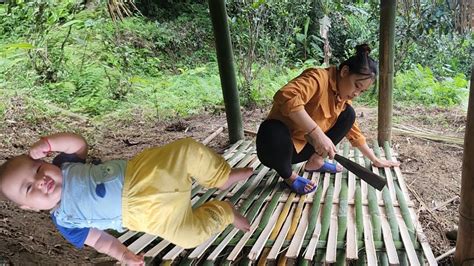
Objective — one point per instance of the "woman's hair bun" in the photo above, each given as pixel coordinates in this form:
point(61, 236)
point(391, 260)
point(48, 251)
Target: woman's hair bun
point(363, 49)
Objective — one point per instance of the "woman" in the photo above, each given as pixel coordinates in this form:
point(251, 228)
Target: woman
point(316, 107)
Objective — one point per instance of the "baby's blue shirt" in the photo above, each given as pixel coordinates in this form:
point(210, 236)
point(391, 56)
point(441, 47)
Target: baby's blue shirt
point(91, 197)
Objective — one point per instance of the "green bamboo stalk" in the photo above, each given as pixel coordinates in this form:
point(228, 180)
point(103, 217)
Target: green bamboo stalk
point(373, 209)
point(342, 213)
point(382, 258)
point(358, 202)
point(304, 263)
point(402, 257)
point(226, 263)
point(320, 255)
point(388, 155)
point(341, 257)
point(326, 215)
point(313, 215)
point(359, 215)
point(421, 258)
point(374, 214)
point(343, 203)
point(390, 212)
point(362, 258)
point(204, 197)
point(209, 263)
point(268, 212)
point(406, 214)
point(185, 262)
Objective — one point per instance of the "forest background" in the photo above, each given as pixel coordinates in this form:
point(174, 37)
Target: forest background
point(160, 62)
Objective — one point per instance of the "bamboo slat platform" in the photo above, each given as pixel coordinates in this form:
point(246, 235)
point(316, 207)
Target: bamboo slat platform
point(343, 221)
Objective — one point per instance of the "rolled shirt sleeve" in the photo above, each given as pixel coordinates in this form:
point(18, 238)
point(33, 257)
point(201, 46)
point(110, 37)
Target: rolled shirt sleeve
point(355, 136)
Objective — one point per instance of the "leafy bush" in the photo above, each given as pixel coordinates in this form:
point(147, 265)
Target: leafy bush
point(419, 86)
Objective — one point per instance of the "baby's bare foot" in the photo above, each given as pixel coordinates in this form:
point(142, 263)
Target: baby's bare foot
point(240, 222)
point(236, 175)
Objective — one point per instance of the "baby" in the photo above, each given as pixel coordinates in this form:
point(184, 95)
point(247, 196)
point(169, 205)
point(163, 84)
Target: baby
point(149, 193)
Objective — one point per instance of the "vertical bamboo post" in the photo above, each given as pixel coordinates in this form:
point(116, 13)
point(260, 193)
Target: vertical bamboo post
point(465, 242)
point(387, 33)
point(226, 69)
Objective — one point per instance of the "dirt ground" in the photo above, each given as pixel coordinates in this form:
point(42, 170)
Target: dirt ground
point(432, 169)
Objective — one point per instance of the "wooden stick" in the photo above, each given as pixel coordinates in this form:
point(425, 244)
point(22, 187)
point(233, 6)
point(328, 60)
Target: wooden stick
point(445, 203)
point(446, 254)
point(212, 136)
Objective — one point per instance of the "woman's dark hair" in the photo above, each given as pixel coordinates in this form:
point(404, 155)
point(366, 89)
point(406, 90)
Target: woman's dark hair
point(361, 63)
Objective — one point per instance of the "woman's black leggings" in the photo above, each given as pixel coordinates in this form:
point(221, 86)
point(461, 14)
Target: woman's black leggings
point(275, 148)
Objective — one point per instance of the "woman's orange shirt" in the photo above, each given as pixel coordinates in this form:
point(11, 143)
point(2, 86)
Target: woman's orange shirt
point(314, 90)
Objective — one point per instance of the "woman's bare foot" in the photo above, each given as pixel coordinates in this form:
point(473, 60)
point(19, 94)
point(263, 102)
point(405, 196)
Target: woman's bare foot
point(292, 179)
point(236, 175)
point(240, 222)
point(315, 162)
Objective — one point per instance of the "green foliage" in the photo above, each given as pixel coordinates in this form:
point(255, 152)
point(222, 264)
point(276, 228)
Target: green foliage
point(163, 65)
point(419, 86)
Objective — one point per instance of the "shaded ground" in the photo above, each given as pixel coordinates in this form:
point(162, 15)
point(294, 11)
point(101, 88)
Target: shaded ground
point(432, 169)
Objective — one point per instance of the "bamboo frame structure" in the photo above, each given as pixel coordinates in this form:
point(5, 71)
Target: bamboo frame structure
point(330, 225)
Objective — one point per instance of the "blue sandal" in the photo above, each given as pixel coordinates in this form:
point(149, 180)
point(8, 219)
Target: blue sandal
point(326, 168)
point(299, 184)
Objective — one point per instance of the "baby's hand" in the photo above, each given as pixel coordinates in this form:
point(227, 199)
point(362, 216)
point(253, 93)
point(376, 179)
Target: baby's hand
point(130, 258)
point(40, 149)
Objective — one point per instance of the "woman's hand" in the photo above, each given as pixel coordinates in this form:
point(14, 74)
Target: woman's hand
point(378, 162)
point(130, 258)
point(40, 149)
point(322, 144)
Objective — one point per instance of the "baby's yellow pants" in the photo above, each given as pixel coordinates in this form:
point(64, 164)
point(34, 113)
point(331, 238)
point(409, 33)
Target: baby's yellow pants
point(156, 196)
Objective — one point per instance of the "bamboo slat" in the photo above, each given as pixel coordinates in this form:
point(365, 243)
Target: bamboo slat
point(240, 245)
point(141, 243)
point(127, 235)
point(333, 225)
point(351, 249)
point(311, 248)
point(388, 240)
point(368, 238)
point(407, 241)
point(260, 243)
point(272, 255)
point(157, 249)
point(297, 241)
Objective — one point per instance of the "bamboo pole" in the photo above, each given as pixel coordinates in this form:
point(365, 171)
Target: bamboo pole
point(387, 44)
point(226, 69)
point(465, 240)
